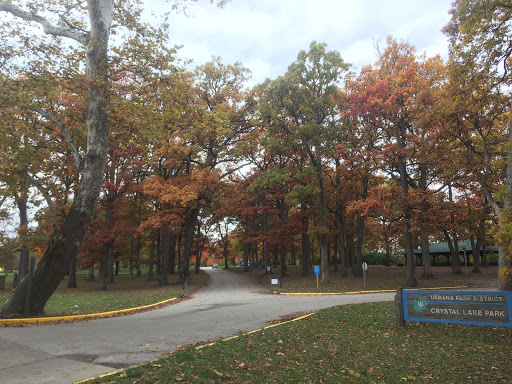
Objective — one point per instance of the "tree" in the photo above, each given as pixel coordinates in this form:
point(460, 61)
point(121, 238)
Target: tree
point(98, 16)
point(66, 242)
point(480, 36)
point(394, 97)
point(301, 104)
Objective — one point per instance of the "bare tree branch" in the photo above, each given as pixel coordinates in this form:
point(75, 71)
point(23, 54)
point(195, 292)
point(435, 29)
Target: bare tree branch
point(65, 132)
point(46, 195)
point(3, 200)
point(48, 27)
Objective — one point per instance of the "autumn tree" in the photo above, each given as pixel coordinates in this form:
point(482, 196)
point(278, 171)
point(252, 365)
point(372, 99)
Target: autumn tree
point(480, 34)
point(88, 25)
point(396, 94)
point(301, 105)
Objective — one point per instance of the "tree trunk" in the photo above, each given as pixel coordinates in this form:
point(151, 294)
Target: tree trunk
point(189, 229)
point(90, 274)
point(409, 244)
point(172, 255)
point(341, 239)
point(425, 255)
point(103, 271)
point(266, 250)
point(247, 252)
point(132, 237)
point(358, 267)
point(387, 262)
point(151, 260)
point(481, 243)
point(255, 260)
point(23, 230)
point(132, 255)
point(282, 246)
point(454, 249)
point(137, 256)
point(350, 250)
point(456, 269)
point(335, 248)
point(305, 241)
point(198, 260)
point(158, 249)
point(475, 252)
point(225, 252)
point(425, 244)
point(505, 258)
point(179, 255)
point(165, 243)
point(110, 265)
point(72, 274)
point(293, 252)
point(324, 229)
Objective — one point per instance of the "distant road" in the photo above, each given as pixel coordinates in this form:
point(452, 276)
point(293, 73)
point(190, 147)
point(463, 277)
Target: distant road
point(232, 303)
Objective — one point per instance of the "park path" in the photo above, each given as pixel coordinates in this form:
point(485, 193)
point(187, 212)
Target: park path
point(232, 303)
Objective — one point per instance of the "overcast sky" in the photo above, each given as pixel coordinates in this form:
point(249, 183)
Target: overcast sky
point(266, 35)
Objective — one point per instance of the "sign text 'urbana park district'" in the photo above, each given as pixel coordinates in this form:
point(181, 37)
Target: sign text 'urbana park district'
point(458, 307)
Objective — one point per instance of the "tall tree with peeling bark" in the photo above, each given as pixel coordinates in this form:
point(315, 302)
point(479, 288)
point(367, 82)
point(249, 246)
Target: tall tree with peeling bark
point(66, 242)
point(89, 25)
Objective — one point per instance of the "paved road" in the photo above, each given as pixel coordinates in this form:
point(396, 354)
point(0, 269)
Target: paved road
point(232, 303)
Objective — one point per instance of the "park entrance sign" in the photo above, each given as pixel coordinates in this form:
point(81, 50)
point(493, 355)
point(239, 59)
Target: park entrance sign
point(456, 307)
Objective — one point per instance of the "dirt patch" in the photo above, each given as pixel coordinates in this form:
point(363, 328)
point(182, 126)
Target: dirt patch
point(377, 278)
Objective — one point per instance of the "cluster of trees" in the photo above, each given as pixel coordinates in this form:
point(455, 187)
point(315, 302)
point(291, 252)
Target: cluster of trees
point(320, 162)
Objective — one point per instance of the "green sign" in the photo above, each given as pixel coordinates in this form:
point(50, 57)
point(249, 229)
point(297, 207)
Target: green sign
point(483, 308)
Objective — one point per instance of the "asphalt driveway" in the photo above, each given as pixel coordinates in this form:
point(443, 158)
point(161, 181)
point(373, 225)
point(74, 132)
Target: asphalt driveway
point(232, 303)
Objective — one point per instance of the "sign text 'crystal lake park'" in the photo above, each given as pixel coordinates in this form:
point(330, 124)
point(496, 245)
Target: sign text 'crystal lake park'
point(458, 307)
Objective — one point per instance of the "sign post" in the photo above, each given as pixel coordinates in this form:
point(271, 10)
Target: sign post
point(317, 273)
point(365, 267)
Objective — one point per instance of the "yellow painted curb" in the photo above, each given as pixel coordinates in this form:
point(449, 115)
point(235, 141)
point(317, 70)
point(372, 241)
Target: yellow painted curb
point(256, 330)
point(101, 376)
point(361, 292)
point(38, 320)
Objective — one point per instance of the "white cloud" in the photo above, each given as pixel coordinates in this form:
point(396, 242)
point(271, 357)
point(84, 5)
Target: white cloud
point(266, 35)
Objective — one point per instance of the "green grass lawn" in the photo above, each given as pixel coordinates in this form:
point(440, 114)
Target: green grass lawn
point(124, 293)
point(348, 344)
